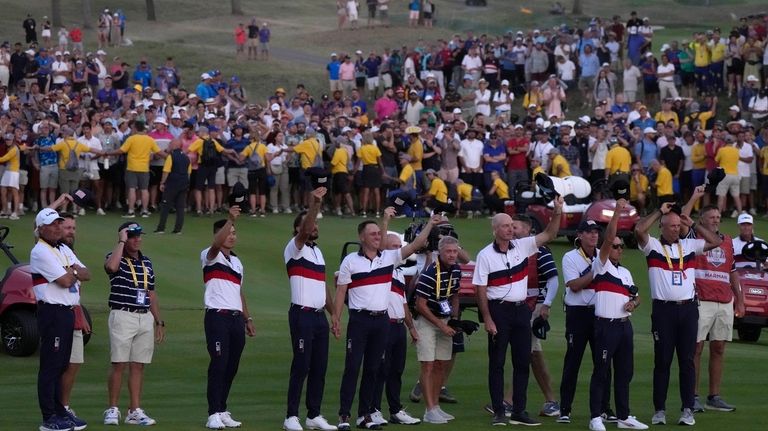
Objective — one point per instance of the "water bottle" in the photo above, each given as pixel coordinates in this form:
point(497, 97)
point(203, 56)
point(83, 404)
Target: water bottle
point(106, 163)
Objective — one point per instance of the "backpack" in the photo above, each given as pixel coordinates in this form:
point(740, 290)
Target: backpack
point(72, 164)
point(254, 160)
point(209, 155)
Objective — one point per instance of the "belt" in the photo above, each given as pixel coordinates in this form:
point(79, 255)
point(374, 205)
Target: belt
point(233, 313)
point(616, 319)
point(513, 303)
point(55, 305)
point(369, 312)
point(682, 302)
point(306, 309)
point(580, 306)
point(131, 310)
point(398, 321)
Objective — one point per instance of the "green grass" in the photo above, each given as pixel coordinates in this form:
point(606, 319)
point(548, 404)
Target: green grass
point(174, 391)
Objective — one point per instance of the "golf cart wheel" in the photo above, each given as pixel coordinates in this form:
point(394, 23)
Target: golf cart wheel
point(87, 337)
point(749, 333)
point(19, 333)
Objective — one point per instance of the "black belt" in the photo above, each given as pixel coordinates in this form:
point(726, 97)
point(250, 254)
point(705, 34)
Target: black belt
point(513, 303)
point(398, 321)
point(682, 302)
point(369, 312)
point(55, 305)
point(615, 319)
point(131, 310)
point(579, 306)
point(306, 309)
point(233, 313)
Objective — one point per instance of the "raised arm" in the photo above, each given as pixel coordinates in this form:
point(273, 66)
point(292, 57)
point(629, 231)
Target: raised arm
point(420, 240)
point(610, 231)
point(553, 227)
point(308, 224)
point(221, 236)
point(389, 212)
point(644, 224)
point(712, 239)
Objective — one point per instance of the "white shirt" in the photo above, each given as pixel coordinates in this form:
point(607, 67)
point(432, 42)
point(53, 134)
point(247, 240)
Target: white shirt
point(483, 102)
point(46, 264)
point(610, 285)
point(505, 274)
point(738, 246)
point(576, 264)
point(503, 101)
point(566, 71)
point(472, 153)
point(87, 161)
point(395, 306)
point(540, 151)
point(59, 66)
point(368, 281)
point(306, 274)
point(472, 62)
point(630, 78)
point(666, 69)
point(688, 162)
point(670, 283)
point(744, 152)
point(223, 278)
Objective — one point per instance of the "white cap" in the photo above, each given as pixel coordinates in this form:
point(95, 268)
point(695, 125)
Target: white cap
point(745, 218)
point(359, 52)
point(585, 119)
point(457, 110)
point(649, 130)
point(518, 126)
point(333, 54)
point(47, 216)
point(752, 78)
point(532, 105)
point(156, 96)
point(664, 47)
point(606, 65)
point(274, 107)
point(100, 52)
point(505, 82)
point(175, 116)
point(734, 108)
point(374, 129)
point(192, 96)
point(30, 52)
point(346, 129)
point(429, 98)
point(210, 116)
point(57, 53)
point(205, 76)
point(161, 120)
point(649, 54)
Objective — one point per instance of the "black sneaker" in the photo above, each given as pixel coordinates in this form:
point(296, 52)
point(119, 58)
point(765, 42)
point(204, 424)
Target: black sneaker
point(499, 420)
point(523, 419)
point(446, 397)
point(610, 417)
point(77, 423)
point(343, 423)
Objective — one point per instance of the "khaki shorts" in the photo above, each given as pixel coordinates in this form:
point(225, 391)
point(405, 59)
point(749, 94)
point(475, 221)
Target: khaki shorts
point(131, 336)
point(220, 177)
point(433, 345)
point(744, 185)
point(235, 175)
point(78, 354)
point(728, 185)
point(715, 320)
point(49, 177)
point(23, 177)
point(253, 42)
point(535, 341)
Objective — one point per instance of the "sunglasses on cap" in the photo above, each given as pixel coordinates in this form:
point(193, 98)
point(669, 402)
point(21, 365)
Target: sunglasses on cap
point(134, 231)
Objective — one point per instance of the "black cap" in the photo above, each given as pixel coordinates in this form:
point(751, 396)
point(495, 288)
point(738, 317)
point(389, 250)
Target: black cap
point(239, 196)
point(620, 189)
point(545, 185)
point(714, 178)
point(82, 197)
point(133, 229)
point(318, 176)
point(540, 327)
point(588, 225)
point(755, 251)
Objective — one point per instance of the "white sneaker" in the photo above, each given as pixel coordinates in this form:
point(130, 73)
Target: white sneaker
point(378, 418)
point(138, 417)
point(734, 214)
point(13, 216)
point(447, 416)
point(292, 424)
point(319, 216)
point(100, 212)
point(659, 418)
point(319, 423)
point(81, 212)
point(686, 418)
point(434, 417)
point(753, 211)
point(214, 422)
point(596, 424)
point(631, 423)
point(112, 416)
point(403, 418)
point(226, 419)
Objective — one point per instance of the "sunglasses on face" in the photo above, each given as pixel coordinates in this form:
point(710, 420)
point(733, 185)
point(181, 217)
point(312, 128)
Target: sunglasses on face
point(617, 246)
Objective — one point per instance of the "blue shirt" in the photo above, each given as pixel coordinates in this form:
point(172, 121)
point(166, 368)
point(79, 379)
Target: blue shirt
point(643, 123)
point(589, 65)
point(333, 70)
point(238, 145)
point(372, 66)
point(647, 151)
point(362, 105)
point(491, 151)
point(204, 91)
point(47, 158)
point(414, 5)
point(264, 35)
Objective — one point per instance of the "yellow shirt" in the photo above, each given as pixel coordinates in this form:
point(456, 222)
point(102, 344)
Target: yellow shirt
point(536, 170)
point(138, 149)
point(416, 151)
point(259, 148)
point(664, 182)
point(63, 147)
point(11, 159)
point(308, 149)
point(618, 159)
point(703, 118)
point(464, 191)
point(339, 161)
point(633, 189)
point(369, 154)
point(699, 156)
point(663, 117)
point(718, 52)
point(408, 177)
point(728, 159)
point(560, 167)
point(701, 54)
point(764, 157)
point(502, 189)
point(439, 190)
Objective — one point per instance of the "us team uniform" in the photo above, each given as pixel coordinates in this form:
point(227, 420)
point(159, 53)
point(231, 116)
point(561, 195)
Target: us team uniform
point(674, 313)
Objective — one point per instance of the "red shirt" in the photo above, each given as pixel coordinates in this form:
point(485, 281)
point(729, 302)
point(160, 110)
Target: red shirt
point(76, 35)
point(517, 161)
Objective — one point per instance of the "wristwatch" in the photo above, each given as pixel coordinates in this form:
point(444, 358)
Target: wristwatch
point(74, 272)
point(160, 323)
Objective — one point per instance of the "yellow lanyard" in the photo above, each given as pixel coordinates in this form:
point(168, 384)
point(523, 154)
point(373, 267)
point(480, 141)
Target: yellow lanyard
point(584, 255)
point(62, 257)
point(669, 260)
point(133, 272)
point(450, 280)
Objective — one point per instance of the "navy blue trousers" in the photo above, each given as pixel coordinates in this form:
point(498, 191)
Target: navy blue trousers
point(614, 348)
point(390, 375)
point(309, 342)
point(366, 342)
point(674, 328)
point(579, 331)
point(225, 337)
point(55, 324)
point(513, 326)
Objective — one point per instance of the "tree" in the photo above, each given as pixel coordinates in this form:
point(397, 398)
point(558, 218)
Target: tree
point(151, 10)
point(577, 8)
point(87, 14)
point(237, 7)
point(56, 12)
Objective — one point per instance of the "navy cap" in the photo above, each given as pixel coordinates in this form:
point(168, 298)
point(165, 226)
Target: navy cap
point(588, 225)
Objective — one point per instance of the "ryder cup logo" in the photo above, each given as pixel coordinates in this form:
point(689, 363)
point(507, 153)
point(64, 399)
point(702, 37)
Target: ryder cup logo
point(716, 256)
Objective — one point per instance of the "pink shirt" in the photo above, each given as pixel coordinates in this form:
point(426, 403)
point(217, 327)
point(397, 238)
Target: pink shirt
point(347, 71)
point(384, 108)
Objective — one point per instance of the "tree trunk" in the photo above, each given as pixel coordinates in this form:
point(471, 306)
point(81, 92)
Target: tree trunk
point(87, 19)
point(56, 13)
point(151, 10)
point(237, 7)
point(577, 8)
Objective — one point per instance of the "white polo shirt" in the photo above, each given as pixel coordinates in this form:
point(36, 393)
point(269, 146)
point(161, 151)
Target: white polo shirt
point(740, 260)
point(610, 284)
point(669, 281)
point(368, 281)
point(505, 274)
point(306, 274)
point(576, 263)
point(222, 277)
point(397, 299)
point(48, 263)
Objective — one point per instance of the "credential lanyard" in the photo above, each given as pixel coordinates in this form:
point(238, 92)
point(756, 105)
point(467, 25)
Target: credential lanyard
point(133, 272)
point(62, 257)
point(450, 280)
point(669, 260)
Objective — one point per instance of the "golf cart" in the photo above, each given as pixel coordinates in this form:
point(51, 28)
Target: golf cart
point(582, 201)
point(754, 284)
point(18, 323)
